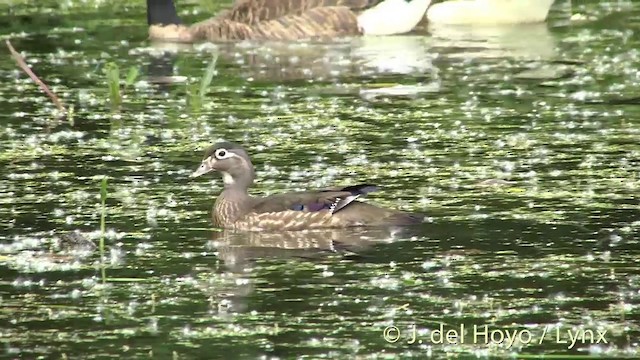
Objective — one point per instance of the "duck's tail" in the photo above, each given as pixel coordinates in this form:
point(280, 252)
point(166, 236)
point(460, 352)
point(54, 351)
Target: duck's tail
point(392, 17)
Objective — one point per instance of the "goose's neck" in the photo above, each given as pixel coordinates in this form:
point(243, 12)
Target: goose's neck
point(162, 12)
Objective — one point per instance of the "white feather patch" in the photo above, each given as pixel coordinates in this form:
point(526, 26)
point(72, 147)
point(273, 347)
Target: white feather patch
point(392, 17)
point(227, 178)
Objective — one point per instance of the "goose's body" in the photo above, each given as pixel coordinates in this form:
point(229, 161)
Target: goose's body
point(489, 12)
point(288, 20)
point(319, 209)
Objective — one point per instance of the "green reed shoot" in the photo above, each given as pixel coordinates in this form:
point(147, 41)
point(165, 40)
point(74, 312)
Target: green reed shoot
point(206, 80)
point(196, 92)
point(131, 78)
point(103, 218)
point(112, 71)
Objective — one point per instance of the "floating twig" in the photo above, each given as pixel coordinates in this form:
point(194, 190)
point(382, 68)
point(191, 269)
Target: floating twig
point(23, 65)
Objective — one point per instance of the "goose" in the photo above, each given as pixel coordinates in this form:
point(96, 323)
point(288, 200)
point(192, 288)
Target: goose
point(288, 20)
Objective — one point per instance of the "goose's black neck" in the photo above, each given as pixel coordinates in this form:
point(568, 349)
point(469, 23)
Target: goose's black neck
point(162, 12)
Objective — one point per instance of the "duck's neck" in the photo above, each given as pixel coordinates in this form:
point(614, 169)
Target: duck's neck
point(237, 182)
point(232, 204)
point(235, 192)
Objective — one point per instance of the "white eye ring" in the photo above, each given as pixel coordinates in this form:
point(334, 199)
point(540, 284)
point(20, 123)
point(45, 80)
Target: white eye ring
point(221, 154)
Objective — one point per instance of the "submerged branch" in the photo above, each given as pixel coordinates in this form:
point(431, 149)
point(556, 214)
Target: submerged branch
point(23, 65)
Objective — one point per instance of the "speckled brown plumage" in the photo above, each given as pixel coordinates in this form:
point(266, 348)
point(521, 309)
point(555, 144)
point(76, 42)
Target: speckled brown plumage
point(319, 209)
point(255, 11)
point(262, 20)
point(317, 23)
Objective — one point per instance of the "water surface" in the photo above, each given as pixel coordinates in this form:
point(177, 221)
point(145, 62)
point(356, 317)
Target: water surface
point(519, 144)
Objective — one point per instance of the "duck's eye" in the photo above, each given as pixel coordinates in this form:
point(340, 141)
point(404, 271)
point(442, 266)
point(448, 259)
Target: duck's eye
point(222, 154)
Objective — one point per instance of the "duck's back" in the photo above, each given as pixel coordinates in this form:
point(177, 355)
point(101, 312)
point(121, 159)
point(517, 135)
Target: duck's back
point(333, 208)
point(356, 214)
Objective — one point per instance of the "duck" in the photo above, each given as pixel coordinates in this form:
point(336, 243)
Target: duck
point(488, 12)
point(304, 210)
point(288, 20)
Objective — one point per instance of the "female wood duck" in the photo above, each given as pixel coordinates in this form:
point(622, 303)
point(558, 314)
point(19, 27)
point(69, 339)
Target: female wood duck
point(288, 20)
point(331, 208)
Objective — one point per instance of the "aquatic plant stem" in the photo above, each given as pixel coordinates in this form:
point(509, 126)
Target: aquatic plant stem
point(208, 76)
point(112, 72)
point(103, 200)
point(195, 93)
point(23, 65)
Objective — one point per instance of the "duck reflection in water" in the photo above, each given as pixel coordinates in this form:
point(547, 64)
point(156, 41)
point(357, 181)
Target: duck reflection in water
point(237, 249)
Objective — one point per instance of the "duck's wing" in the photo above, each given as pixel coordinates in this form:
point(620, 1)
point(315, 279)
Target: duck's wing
point(332, 208)
point(254, 11)
point(332, 200)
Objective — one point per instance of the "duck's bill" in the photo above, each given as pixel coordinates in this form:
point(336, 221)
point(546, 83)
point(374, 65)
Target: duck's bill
point(204, 168)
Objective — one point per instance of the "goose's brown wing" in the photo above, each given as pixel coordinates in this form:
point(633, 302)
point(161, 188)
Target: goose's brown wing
point(254, 11)
point(317, 23)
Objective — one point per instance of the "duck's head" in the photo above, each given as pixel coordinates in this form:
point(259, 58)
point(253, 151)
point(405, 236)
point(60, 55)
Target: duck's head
point(229, 159)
